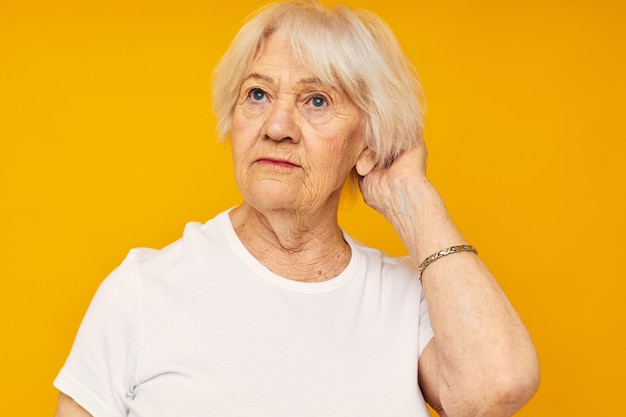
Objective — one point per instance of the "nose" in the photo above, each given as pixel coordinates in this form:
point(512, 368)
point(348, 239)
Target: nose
point(281, 122)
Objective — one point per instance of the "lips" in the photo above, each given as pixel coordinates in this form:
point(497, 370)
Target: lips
point(277, 162)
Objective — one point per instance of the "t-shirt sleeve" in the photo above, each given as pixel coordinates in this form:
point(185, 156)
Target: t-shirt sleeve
point(99, 373)
point(425, 329)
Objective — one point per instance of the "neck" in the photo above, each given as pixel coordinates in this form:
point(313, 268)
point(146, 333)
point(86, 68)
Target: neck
point(299, 246)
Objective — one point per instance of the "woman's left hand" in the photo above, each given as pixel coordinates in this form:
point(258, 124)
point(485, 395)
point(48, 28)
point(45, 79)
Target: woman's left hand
point(386, 190)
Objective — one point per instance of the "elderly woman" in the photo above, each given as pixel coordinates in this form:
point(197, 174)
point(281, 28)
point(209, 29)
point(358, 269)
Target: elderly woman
point(269, 309)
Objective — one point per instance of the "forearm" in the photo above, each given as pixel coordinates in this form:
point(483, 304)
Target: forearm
point(482, 347)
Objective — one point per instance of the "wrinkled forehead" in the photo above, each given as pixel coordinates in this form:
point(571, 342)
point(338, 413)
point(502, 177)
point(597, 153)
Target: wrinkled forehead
point(310, 52)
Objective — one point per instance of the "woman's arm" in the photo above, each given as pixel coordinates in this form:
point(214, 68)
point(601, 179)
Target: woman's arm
point(67, 407)
point(481, 361)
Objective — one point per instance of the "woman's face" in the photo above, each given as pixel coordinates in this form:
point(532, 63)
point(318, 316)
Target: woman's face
point(294, 139)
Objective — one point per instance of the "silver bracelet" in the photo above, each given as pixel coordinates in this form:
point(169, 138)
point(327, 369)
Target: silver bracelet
point(444, 252)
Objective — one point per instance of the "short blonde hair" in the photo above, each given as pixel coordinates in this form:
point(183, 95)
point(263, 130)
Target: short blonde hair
point(354, 51)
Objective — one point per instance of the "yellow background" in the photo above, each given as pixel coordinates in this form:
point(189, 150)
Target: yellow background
point(107, 143)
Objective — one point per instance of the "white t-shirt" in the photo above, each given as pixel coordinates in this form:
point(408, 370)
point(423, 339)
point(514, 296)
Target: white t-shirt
point(201, 328)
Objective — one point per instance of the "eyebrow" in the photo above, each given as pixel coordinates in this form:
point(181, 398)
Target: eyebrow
point(312, 80)
point(258, 76)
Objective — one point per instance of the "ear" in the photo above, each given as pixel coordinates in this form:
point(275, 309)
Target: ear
point(366, 162)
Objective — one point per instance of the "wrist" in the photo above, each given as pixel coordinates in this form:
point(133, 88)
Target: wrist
point(421, 219)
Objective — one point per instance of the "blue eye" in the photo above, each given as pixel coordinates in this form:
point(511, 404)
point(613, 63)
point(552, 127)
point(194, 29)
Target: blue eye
point(318, 101)
point(257, 94)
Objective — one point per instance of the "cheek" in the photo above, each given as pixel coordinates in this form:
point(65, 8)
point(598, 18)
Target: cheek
point(238, 123)
point(335, 163)
point(347, 151)
point(241, 136)
point(240, 169)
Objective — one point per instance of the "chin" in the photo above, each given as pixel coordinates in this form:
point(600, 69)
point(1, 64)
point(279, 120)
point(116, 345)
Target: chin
point(273, 198)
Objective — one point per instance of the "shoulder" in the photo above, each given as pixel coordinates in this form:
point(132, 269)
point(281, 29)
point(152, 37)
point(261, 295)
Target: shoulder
point(201, 251)
point(142, 263)
point(399, 263)
point(197, 240)
point(398, 268)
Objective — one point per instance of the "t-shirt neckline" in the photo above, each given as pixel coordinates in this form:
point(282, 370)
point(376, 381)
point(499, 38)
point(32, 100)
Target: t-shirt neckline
point(262, 272)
